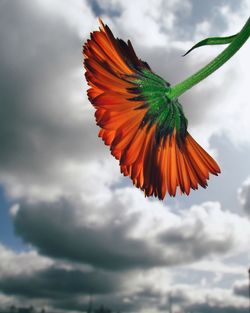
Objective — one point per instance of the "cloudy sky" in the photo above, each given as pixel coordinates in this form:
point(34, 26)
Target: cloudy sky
point(71, 226)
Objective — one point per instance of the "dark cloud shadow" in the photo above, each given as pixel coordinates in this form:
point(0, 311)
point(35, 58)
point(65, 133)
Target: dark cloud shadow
point(56, 283)
point(62, 236)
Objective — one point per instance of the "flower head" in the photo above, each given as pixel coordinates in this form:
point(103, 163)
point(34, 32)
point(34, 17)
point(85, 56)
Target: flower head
point(145, 129)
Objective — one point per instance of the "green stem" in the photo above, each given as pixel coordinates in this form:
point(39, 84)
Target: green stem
point(212, 66)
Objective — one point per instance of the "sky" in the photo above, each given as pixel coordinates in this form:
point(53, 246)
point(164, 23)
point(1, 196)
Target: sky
point(71, 226)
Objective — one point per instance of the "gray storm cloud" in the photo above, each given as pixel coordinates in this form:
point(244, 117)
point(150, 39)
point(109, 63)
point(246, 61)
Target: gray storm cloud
point(84, 230)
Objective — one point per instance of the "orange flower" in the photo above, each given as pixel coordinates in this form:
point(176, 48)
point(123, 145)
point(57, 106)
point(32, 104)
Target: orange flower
point(145, 130)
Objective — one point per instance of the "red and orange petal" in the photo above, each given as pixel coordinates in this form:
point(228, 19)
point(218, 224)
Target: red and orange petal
point(156, 168)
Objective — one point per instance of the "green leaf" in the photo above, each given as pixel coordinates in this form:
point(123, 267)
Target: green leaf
point(213, 41)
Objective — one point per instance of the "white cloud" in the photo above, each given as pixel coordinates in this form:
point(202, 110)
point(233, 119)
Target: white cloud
point(76, 13)
point(145, 233)
point(141, 19)
point(244, 196)
point(241, 288)
point(218, 266)
point(51, 151)
point(14, 263)
point(7, 301)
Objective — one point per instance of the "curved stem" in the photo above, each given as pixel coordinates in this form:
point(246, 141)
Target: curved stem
point(211, 67)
